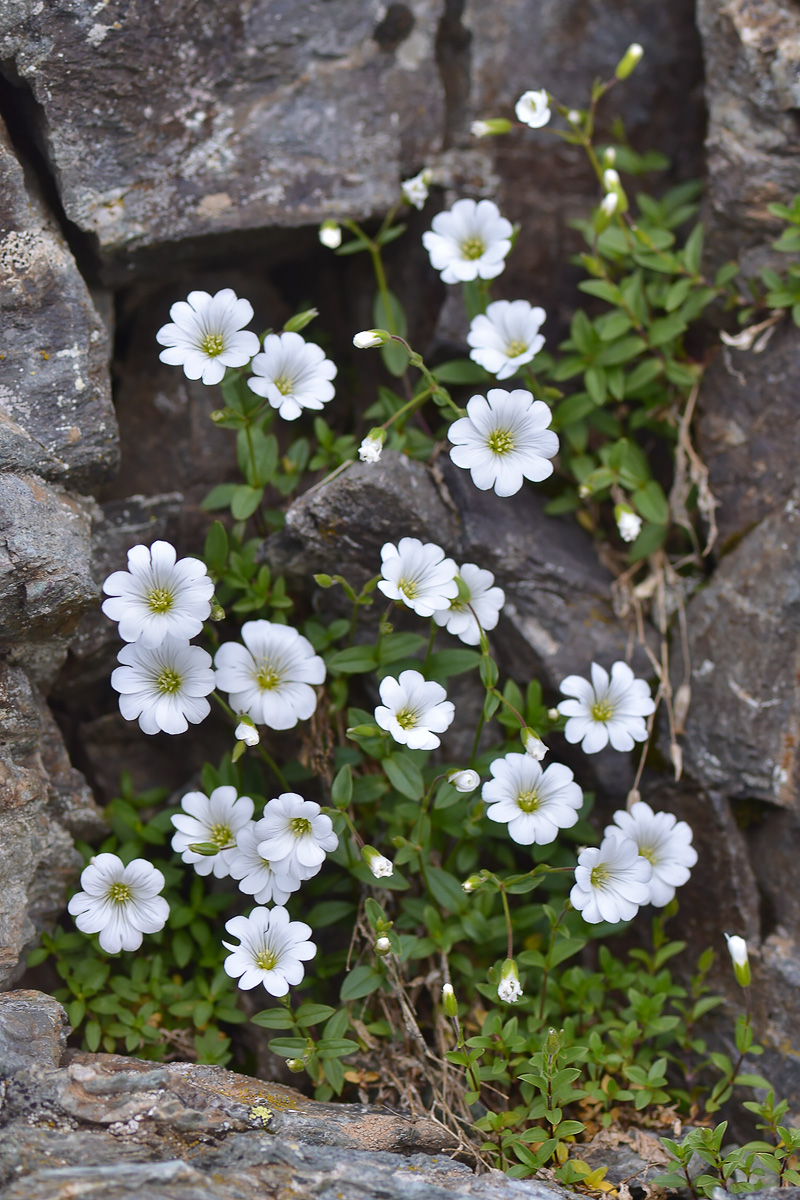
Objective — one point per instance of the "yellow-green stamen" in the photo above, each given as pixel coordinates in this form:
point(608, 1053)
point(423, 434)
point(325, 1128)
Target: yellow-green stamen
point(266, 960)
point(168, 681)
point(300, 826)
point(600, 875)
point(212, 344)
point(267, 678)
point(159, 600)
point(500, 441)
point(220, 835)
point(408, 587)
point(406, 718)
point(284, 384)
point(473, 247)
point(528, 801)
point(602, 711)
point(119, 893)
point(515, 348)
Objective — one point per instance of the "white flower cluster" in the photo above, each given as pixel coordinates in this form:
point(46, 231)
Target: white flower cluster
point(207, 335)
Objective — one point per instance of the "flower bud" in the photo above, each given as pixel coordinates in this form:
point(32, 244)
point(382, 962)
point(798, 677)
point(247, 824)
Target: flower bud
point(610, 179)
point(372, 445)
point(380, 866)
point(533, 109)
point(464, 781)
point(609, 156)
point(553, 714)
point(574, 117)
point(509, 987)
point(449, 1001)
point(490, 127)
point(246, 731)
point(469, 885)
point(737, 948)
point(370, 337)
point(629, 61)
point(609, 204)
point(330, 235)
point(295, 1064)
point(628, 523)
point(383, 946)
point(217, 611)
point(534, 746)
point(415, 190)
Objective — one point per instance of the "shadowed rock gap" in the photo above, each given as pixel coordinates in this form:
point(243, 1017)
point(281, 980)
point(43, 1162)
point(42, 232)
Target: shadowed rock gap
point(453, 58)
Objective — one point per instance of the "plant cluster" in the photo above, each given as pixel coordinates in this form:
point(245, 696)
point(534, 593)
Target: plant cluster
point(460, 900)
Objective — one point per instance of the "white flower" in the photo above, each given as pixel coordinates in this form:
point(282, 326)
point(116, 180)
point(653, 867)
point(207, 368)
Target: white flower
point(382, 945)
point(380, 866)
point(664, 842)
point(207, 335)
point(611, 881)
point(533, 109)
point(504, 439)
point(509, 988)
point(628, 524)
point(415, 190)
point(165, 687)
point(414, 710)
point(606, 710)
point(535, 803)
point(157, 596)
point(258, 877)
point(477, 605)
point(506, 336)
point(464, 781)
point(480, 129)
point(737, 948)
point(470, 241)
point(609, 207)
point(292, 374)
point(295, 835)
point(272, 950)
point(330, 234)
point(610, 179)
point(246, 732)
point(270, 676)
point(418, 574)
point(119, 902)
point(215, 820)
point(371, 448)
point(369, 338)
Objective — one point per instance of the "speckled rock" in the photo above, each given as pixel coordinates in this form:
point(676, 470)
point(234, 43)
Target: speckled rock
point(56, 416)
point(33, 1029)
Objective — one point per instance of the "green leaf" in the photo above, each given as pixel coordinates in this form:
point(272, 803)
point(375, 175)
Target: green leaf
point(92, 1035)
point(313, 1014)
point(574, 408)
point(643, 374)
point(219, 497)
point(693, 250)
point(245, 501)
point(445, 889)
point(362, 981)
point(665, 329)
point(622, 351)
point(390, 315)
point(651, 538)
point(651, 503)
point(399, 645)
point(564, 948)
point(461, 370)
point(445, 663)
point(404, 775)
point(288, 1047)
point(215, 552)
point(601, 289)
point(355, 660)
point(677, 293)
point(342, 787)
point(595, 381)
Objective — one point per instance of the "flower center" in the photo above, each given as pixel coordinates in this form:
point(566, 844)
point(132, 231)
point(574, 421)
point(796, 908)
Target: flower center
point(119, 893)
point(220, 835)
point(602, 710)
point(599, 876)
point(528, 801)
point(406, 718)
point(648, 852)
point(500, 441)
point(266, 960)
point(212, 344)
point(168, 681)
point(284, 384)
point(268, 678)
point(408, 587)
point(159, 600)
point(473, 247)
point(515, 348)
point(300, 826)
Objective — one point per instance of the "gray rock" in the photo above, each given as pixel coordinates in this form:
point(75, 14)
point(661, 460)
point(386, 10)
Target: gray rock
point(37, 856)
point(56, 415)
point(116, 1127)
point(33, 1029)
point(239, 116)
point(748, 430)
point(743, 725)
point(752, 92)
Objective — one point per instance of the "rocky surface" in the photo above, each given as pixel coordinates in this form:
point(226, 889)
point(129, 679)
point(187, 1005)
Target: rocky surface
point(114, 1127)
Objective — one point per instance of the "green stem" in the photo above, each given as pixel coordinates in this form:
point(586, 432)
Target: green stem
point(494, 691)
point(546, 971)
point(509, 928)
point(476, 739)
point(429, 651)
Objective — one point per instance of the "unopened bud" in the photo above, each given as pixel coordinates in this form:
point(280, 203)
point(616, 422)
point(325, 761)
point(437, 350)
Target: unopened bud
point(509, 987)
point(737, 948)
point(574, 117)
point(534, 746)
point(628, 523)
point(330, 234)
point(609, 204)
point(449, 1001)
point(490, 127)
point(372, 445)
point(383, 946)
point(464, 781)
point(609, 156)
point(629, 61)
point(217, 611)
point(295, 1064)
point(553, 714)
point(469, 885)
point(380, 866)
point(246, 731)
point(610, 179)
point(369, 338)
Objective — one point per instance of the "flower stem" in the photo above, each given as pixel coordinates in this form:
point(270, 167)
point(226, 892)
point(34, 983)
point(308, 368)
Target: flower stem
point(507, 911)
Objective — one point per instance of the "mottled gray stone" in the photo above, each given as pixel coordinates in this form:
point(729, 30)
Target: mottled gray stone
point(238, 116)
point(114, 1127)
point(743, 727)
point(33, 1029)
point(56, 415)
point(749, 433)
point(752, 92)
